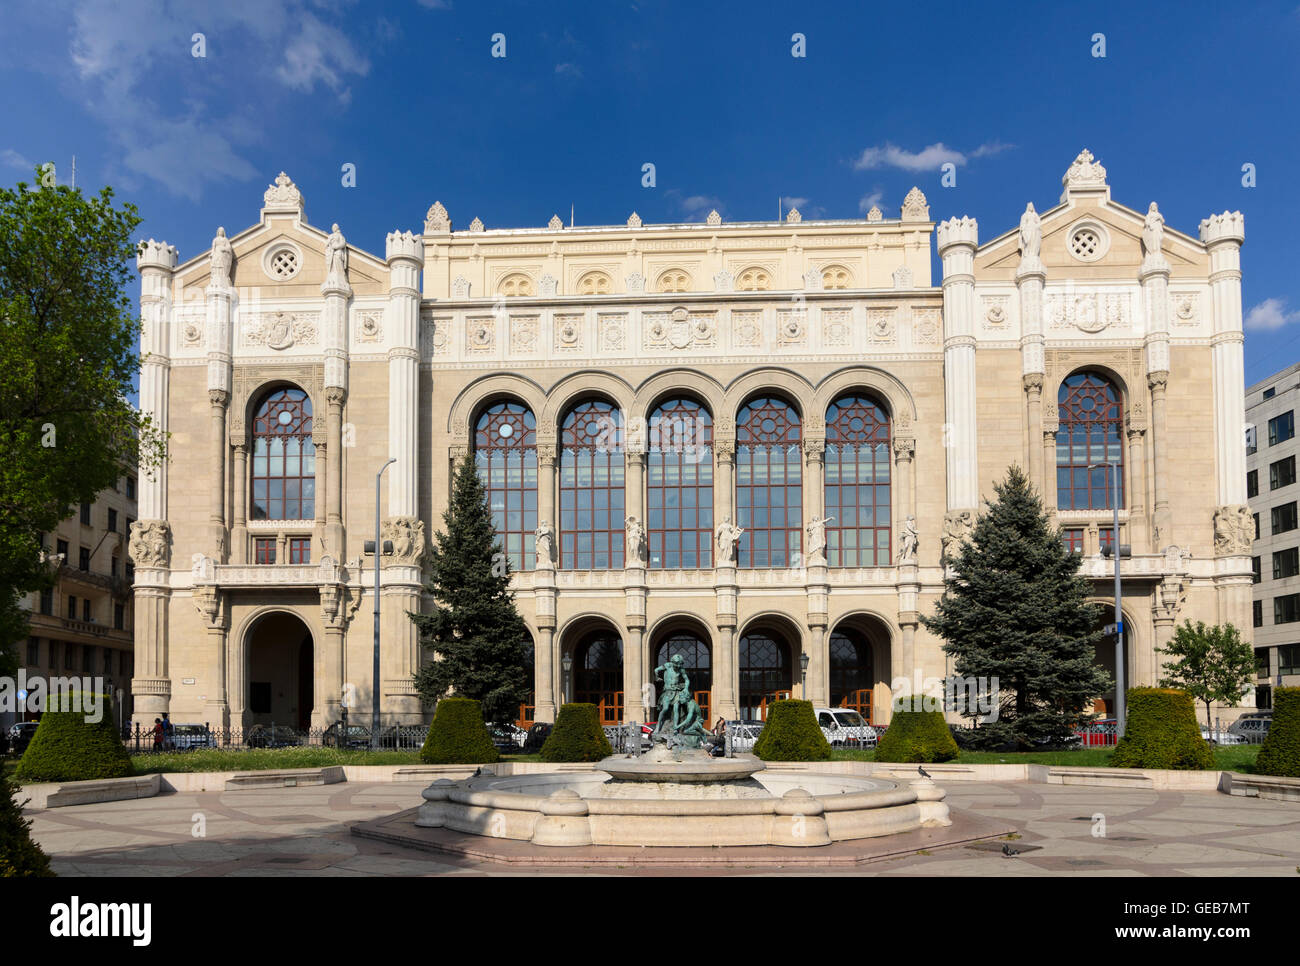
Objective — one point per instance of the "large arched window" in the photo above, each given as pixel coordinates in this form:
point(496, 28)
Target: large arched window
point(592, 523)
point(284, 458)
point(857, 483)
point(766, 673)
point(598, 674)
point(1091, 432)
point(695, 660)
point(769, 483)
point(851, 672)
point(505, 455)
point(679, 486)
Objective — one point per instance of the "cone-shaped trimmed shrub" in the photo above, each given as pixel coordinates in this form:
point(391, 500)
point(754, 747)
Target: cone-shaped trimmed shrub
point(458, 735)
point(915, 734)
point(1161, 731)
point(791, 734)
point(68, 748)
point(19, 855)
point(1280, 754)
point(577, 736)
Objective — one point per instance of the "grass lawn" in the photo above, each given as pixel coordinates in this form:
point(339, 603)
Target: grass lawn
point(1239, 758)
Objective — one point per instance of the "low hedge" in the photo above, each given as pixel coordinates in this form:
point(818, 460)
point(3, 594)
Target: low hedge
point(577, 735)
point(457, 735)
point(68, 748)
point(791, 734)
point(1161, 731)
point(19, 855)
point(916, 735)
point(1280, 753)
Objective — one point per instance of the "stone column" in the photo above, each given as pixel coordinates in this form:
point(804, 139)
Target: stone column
point(150, 539)
point(1030, 278)
point(633, 676)
point(1154, 276)
point(239, 522)
point(957, 239)
point(725, 680)
point(546, 465)
point(217, 398)
point(220, 331)
point(208, 601)
point(1050, 428)
point(1032, 382)
point(545, 677)
point(1162, 518)
point(634, 584)
point(1135, 494)
point(814, 455)
point(724, 452)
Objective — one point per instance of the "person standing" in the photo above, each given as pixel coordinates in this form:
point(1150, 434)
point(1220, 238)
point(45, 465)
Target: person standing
point(157, 734)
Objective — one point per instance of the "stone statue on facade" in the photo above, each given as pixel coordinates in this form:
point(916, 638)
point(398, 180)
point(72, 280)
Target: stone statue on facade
point(1234, 530)
point(544, 546)
point(148, 544)
point(1031, 237)
point(728, 538)
point(336, 256)
point(957, 526)
point(816, 532)
point(223, 257)
point(636, 543)
point(1153, 233)
point(907, 541)
point(407, 535)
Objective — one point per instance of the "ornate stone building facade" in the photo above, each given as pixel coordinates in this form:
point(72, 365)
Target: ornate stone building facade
point(739, 442)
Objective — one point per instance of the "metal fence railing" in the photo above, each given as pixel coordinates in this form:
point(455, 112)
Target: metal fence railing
point(139, 739)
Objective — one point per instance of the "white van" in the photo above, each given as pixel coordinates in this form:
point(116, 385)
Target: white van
point(843, 726)
point(1253, 727)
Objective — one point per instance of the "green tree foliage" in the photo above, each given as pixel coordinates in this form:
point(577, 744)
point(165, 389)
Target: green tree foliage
point(19, 855)
point(577, 735)
point(67, 362)
point(1014, 608)
point(1211, 664)
point(480, 639)
point(791, 734)
point(1161, 732)
point(1280, 754)
point(69, 748)
point(915, 734)
point(458, 735)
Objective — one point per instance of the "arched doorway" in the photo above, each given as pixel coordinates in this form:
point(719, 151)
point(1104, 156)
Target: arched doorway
point(766, 660)
point(697, 660)
point(281, 672)
point(598, 673)
point(852, 675)
point(528, 710)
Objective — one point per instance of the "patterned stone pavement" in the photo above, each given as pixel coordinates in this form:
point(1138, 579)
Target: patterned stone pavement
point(304, 831)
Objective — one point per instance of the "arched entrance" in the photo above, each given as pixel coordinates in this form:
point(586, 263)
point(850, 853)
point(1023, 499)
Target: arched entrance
point(852, 674)
point(766, 661)
point(281, 671)
point(528, 710)
point(598, 673)
point(697, 662)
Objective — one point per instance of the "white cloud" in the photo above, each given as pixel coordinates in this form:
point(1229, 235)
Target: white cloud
point(12, 159)
point(867, 202)
point(792, 202)
point(320, 53)
point(1269, 315)
point(929, 158)
point(435, 4)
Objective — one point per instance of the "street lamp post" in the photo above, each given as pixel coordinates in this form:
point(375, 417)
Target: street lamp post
point(567, 662)
point(1117, 551)
point(374, 695)
point(803, 668)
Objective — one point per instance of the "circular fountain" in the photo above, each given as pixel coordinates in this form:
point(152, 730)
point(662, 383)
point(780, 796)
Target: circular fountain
point(681, 797)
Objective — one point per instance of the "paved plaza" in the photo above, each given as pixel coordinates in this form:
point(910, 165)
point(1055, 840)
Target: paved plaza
point(306, 831)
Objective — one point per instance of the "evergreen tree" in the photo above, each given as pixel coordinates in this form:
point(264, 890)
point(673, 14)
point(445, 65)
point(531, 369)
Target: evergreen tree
point(1014, 607)
point(476, 631)
point(1213, 664)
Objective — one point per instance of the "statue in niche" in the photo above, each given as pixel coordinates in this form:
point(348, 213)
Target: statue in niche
point(223, 257)
point(635, 541)
point(728, 537)
point(545, 546)
point(816, 531)
point(907, 541)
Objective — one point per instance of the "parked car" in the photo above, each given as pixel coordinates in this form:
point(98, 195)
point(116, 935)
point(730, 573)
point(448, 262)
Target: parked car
point(537, 735)
point(744, 734)
point(188, 737)
point(20, 736)
point(357, 736)
point(844, 726)
point(1222, 737)
point(272, 736)
point(505, 739)
point(1252, 727)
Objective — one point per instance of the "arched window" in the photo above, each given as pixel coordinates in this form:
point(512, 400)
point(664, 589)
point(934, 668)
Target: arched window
point(598, 674)
point(857, 483)
point(592, 522)
point(679, 486)
point(594, 283)
point(695, 660)
point(674, 280)
point(515, 284)
point(769, 483)
point(851, 672)
point(1091, 432)
point(766, 673)
point(753, 280)
point(505, 455)
point(284, 458)
point(835, 277)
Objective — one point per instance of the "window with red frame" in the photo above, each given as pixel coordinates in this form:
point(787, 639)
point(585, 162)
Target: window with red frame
point(679, 486)
point(1091, 432)
point(1072, 537)
point(592, 522)
point(505, 455)
point(284, 458)
point(264, 551)
point(300, 550)
point(769, 483)
point(857, 483)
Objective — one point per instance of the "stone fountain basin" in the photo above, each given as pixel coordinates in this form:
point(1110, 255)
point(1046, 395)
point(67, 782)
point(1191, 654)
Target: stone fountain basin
point(566, 809)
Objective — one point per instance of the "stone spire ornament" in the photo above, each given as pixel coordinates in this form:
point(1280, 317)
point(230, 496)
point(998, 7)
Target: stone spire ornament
point(283, 197)
point(436, 220)
point(915, 207)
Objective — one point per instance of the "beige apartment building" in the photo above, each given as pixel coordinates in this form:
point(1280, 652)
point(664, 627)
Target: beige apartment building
point(83, 625)
point(746, 443)
point(1271, 487)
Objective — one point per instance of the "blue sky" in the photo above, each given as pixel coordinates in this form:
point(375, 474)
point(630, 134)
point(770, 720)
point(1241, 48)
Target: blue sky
point(707, 92)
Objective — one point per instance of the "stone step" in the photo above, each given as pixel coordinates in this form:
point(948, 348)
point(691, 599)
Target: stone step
point(286, 778)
